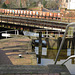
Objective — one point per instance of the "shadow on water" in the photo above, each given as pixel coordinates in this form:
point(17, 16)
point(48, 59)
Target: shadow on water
point(48, 56)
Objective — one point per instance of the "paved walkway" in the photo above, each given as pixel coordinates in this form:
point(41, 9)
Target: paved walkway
point(12, 47)
point(33, 70)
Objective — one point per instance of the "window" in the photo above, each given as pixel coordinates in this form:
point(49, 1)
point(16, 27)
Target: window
point(66, 0)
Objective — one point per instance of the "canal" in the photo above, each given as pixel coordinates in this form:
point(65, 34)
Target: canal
point(48, 56)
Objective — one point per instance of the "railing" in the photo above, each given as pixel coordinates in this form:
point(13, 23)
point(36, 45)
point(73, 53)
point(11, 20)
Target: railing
point(8, 35)
point(73, 56)
point(50, 34)
point(33, 14)
point(62, 42)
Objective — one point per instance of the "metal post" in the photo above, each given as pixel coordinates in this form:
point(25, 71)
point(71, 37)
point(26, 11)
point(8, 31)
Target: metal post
point(46, 34)
point(6, 33)
point(73, 45)
point(73, 30)
point(40, 47)
point(1, 19)
point(17, 32)
point(48, 44)
point(33, 45)
point(59, 33)
point(73, 56)
point(63, 39)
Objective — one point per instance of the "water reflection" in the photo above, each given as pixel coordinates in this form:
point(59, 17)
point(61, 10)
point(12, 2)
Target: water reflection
point(47, 56)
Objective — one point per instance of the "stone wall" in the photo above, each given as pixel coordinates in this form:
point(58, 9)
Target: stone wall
point(67, 15)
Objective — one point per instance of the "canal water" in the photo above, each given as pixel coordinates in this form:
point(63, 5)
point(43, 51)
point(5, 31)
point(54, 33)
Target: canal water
point(48, 56)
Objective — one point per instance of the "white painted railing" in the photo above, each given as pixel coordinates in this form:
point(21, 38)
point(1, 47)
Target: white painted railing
point(6, 34)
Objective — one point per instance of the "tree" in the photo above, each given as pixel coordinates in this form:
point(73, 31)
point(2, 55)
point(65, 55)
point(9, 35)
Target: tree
point(0, 1)
point(33, 4)
point(51, 4)
point(44, 3)
point(20, 4)
point(4, 5)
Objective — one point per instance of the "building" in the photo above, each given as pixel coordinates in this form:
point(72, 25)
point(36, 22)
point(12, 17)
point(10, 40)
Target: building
point(69, 4)
point(64, 3)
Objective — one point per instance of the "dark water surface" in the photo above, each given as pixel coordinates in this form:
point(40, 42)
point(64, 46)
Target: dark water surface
point(47, 56)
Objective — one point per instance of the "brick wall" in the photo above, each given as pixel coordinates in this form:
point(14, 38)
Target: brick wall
point(67, 15)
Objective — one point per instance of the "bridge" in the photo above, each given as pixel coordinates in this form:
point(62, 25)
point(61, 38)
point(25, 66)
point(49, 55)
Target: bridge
point(16, 22)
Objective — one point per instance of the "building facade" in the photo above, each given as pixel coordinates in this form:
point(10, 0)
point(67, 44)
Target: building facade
point(64, 3)
point(69, 4)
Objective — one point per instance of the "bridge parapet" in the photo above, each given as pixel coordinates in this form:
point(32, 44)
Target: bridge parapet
point(33, 14)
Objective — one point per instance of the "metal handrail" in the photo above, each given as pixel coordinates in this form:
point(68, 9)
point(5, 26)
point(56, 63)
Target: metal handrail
point(73, 56)
point(16, 32)
point(63, 39)
point(8, 31)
